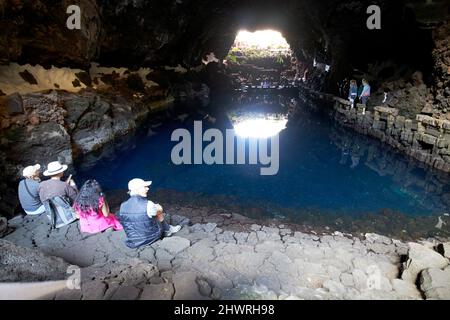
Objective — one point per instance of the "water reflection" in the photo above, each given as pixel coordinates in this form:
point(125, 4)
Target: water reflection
point(427, 186)
point(262, 120)
point(329, 175)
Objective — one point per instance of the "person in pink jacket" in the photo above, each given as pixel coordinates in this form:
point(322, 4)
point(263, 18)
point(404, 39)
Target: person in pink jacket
point(93, 210)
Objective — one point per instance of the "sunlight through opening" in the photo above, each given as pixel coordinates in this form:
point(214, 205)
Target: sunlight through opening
point(259, 44)
point(263, 40)
point(259, 128)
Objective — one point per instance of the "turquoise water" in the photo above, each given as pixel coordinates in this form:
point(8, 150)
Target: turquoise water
point(321, 166)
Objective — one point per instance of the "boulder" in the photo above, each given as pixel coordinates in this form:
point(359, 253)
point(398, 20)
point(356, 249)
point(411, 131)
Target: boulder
point(406, 289)
point(12, 104)
point(88, 140)
point(420, 258)
point(376, 238)
point(335, 288)
point(435, 283)
point(209, 227)
point(204, 287)
point(186, 287)
point(446, 250)
point(174, 244)
point(3, 226)
point(162, 291)
point(93, 290)
point(389, 270)
point(386, 110)
point(19, 264)
point(126, 293)
point(75, 109)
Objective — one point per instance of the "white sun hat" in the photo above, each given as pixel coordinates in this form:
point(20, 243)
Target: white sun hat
point(136, 184)
point(31, 170)
point(55, 167)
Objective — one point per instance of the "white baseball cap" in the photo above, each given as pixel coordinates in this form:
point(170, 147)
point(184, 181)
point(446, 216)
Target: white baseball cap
point(30, 170)
point(136, 184)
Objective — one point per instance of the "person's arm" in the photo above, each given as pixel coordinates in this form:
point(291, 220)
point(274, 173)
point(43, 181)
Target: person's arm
point(104, 207)
point(71, 193)
point(41, 193)
point(159, 212)
point(152, 209)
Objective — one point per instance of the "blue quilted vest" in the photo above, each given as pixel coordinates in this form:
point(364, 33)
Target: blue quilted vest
point(139, 228)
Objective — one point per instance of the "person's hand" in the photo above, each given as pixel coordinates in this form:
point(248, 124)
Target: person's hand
point(160, 216)
point(159, 207)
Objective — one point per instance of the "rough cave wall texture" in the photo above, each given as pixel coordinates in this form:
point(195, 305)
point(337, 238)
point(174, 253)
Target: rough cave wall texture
point(142, 33)
point(136, 33)
point(409, 57)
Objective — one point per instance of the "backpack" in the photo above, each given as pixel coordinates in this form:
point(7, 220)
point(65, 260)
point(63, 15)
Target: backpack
point(59, 211)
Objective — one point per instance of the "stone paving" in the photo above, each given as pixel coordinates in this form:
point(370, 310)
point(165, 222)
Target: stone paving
point(234, 258)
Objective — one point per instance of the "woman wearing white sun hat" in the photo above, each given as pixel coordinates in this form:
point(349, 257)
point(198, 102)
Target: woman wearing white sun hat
point(29, 191)
point(143, 220)
point(54, 187)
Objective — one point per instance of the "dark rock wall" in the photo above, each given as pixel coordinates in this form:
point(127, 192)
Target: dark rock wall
point(35, 32)
point(156, 32)
point(441, 57)
point(142, 33)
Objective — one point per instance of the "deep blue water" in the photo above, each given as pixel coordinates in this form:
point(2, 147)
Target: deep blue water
point(322, 166)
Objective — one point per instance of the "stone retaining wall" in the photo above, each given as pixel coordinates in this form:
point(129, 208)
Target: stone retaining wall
point(425, 138)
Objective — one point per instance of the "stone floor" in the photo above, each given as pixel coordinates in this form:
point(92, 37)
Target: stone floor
point(231, 258)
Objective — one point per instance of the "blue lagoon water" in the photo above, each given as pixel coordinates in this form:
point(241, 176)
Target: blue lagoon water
point(322, 167)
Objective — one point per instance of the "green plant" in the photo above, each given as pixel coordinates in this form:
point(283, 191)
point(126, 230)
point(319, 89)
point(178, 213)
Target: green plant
point(279, 59)
point(231, 57)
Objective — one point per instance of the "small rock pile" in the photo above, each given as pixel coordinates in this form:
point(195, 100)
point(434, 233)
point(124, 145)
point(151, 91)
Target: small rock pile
point(429, 268)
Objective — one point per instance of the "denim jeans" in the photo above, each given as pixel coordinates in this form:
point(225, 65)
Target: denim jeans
point(364, 100)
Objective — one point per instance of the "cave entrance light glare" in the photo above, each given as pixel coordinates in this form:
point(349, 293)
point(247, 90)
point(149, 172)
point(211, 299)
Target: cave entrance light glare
point(262, 39)
point(259, 44)
point(260, 126)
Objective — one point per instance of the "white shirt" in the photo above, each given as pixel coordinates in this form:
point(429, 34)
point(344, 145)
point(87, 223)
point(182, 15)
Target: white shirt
point(151, 209)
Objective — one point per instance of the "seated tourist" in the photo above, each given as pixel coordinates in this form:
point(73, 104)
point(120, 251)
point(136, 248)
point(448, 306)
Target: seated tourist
point(93, 210)
point(142, 220)
point(29, 191)
point(54, 187)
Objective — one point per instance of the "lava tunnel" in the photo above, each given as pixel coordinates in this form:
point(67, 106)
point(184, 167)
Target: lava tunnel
point(322, 117)
point(80, 88)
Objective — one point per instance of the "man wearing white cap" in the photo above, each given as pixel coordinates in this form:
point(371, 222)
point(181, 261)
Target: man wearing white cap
point(54, 187)
point(143, 220)
point(29, 191)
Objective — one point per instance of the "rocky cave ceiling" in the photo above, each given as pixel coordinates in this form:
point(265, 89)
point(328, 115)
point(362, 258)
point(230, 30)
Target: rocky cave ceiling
point(135, 33)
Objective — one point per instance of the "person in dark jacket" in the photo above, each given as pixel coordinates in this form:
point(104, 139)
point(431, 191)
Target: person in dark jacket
point(29, 191)
point(143, 220)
